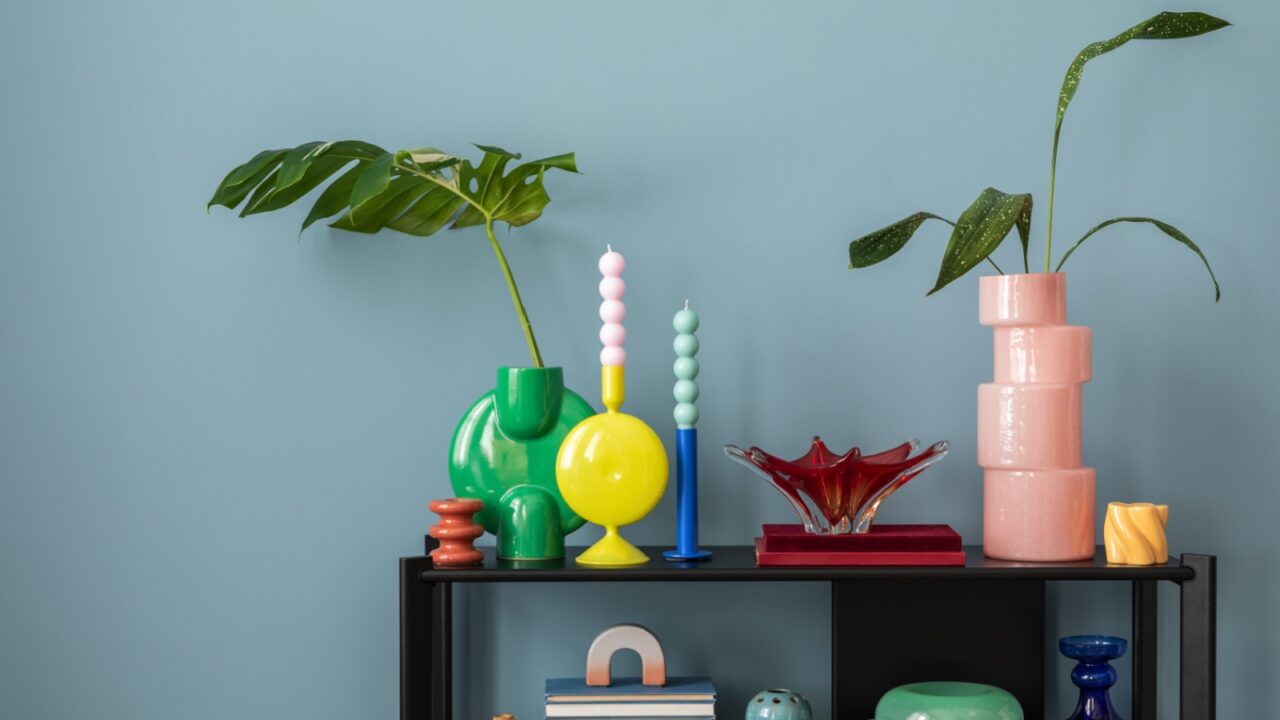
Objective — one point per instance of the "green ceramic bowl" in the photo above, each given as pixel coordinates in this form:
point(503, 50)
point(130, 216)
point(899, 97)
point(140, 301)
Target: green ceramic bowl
point(948, 701)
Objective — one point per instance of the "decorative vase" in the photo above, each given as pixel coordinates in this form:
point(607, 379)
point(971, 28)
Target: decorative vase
point(1094, 674)
point(948, 701)
point(504, 453)
point(612, 469)
point(1038, 499)
point(456, 531)
point(778, 705)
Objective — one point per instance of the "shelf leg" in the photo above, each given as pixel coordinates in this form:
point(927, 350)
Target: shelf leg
point(416, 613)
point(1200, 639)
point(1145, 649)
point(442, 651)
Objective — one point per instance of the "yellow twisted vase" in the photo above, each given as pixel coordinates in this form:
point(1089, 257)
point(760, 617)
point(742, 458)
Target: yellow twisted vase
point(1134, 533)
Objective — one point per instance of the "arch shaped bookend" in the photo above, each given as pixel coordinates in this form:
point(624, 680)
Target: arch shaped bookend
point(653, 661)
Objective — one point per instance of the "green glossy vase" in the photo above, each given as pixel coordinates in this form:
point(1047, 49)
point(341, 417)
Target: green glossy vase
point(504, 453)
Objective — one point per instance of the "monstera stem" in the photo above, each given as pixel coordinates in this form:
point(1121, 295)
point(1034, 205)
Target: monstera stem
point(515, 295)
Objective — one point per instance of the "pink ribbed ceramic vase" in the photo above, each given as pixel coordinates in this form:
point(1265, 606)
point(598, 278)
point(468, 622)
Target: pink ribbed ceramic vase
point(1038, 500)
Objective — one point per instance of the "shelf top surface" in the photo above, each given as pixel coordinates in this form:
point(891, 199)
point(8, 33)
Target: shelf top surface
point(738, 563)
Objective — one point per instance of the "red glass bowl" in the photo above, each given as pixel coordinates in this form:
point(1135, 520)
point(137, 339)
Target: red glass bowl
point(839, 494)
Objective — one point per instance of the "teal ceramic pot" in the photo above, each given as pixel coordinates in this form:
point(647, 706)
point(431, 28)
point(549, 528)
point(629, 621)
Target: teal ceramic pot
point(779, 705)
point(948, 701)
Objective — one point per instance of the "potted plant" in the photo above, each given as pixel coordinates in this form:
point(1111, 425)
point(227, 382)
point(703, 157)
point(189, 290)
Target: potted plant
point(1039, 500)
point(503, 452)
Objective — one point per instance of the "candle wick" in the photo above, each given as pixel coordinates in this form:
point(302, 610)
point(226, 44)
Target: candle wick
point(608, 247)
point(686, 304)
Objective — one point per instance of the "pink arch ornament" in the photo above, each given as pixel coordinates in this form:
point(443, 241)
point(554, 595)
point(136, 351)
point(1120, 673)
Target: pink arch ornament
point(653, 661)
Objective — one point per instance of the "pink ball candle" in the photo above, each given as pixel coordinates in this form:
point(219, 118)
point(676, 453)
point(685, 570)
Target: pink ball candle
point(612, 311)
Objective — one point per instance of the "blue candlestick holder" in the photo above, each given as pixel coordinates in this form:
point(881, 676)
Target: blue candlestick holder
point(686, 499)
point(1094, 674)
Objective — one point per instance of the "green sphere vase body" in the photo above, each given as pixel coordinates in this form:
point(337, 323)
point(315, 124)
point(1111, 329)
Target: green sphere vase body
point(504, 453)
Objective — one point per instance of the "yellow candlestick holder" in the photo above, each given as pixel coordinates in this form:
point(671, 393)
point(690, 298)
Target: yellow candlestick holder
point(612, 470)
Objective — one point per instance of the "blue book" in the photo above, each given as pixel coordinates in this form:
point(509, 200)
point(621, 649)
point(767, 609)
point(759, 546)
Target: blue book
point(677, 689)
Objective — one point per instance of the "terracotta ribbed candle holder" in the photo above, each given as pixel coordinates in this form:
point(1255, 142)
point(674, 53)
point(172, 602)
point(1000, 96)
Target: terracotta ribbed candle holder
point(456, 531)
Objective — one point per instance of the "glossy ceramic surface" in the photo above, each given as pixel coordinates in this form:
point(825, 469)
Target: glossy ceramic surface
point(504, 453)
point(1022, 299)
point(778, 705)
point(1039, 500)
point(456, 532)
point(837, 494)
point(948, 701)
point(1093, 674)
point(1134, 533)
point(612, 470)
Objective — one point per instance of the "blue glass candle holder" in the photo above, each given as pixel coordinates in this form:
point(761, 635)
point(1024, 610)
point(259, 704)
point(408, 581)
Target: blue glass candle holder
point(1093, 674)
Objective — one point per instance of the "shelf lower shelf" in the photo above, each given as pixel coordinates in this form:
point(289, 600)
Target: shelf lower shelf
point(736, 563)
point(987, 626)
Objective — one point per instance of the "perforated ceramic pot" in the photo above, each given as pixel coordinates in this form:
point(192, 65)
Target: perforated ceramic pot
point(779, 705)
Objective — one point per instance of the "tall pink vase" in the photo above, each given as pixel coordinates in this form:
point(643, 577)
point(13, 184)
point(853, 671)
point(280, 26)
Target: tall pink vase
point(1038, 499)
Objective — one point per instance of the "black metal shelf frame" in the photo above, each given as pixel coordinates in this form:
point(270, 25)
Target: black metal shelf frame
point(983, 621)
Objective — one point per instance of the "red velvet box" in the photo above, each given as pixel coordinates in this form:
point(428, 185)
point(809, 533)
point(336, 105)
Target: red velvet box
point(882, 545)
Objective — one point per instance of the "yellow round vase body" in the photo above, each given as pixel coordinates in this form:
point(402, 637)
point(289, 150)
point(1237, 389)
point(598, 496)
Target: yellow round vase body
point(612, 470)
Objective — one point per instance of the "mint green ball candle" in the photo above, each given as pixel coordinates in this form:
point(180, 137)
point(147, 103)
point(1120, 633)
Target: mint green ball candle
point(686, 323)
point(685, 391)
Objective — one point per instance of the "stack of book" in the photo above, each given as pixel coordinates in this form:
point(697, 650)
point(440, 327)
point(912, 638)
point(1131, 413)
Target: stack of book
point(628, 699)
point(790, 545)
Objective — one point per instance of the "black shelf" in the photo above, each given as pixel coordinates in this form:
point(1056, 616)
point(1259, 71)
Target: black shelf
point(983, 621)
point(737, 563)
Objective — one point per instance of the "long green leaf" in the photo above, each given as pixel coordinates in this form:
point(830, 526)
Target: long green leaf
point(882, 244)
point(1165, 26)
point(1167, 229)
point(1024, 234)
point(979, 231)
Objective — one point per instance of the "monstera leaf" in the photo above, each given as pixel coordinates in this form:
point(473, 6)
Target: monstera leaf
point(415, 191)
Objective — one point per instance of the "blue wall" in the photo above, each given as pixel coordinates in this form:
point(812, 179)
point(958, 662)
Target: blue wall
point(216, 439)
